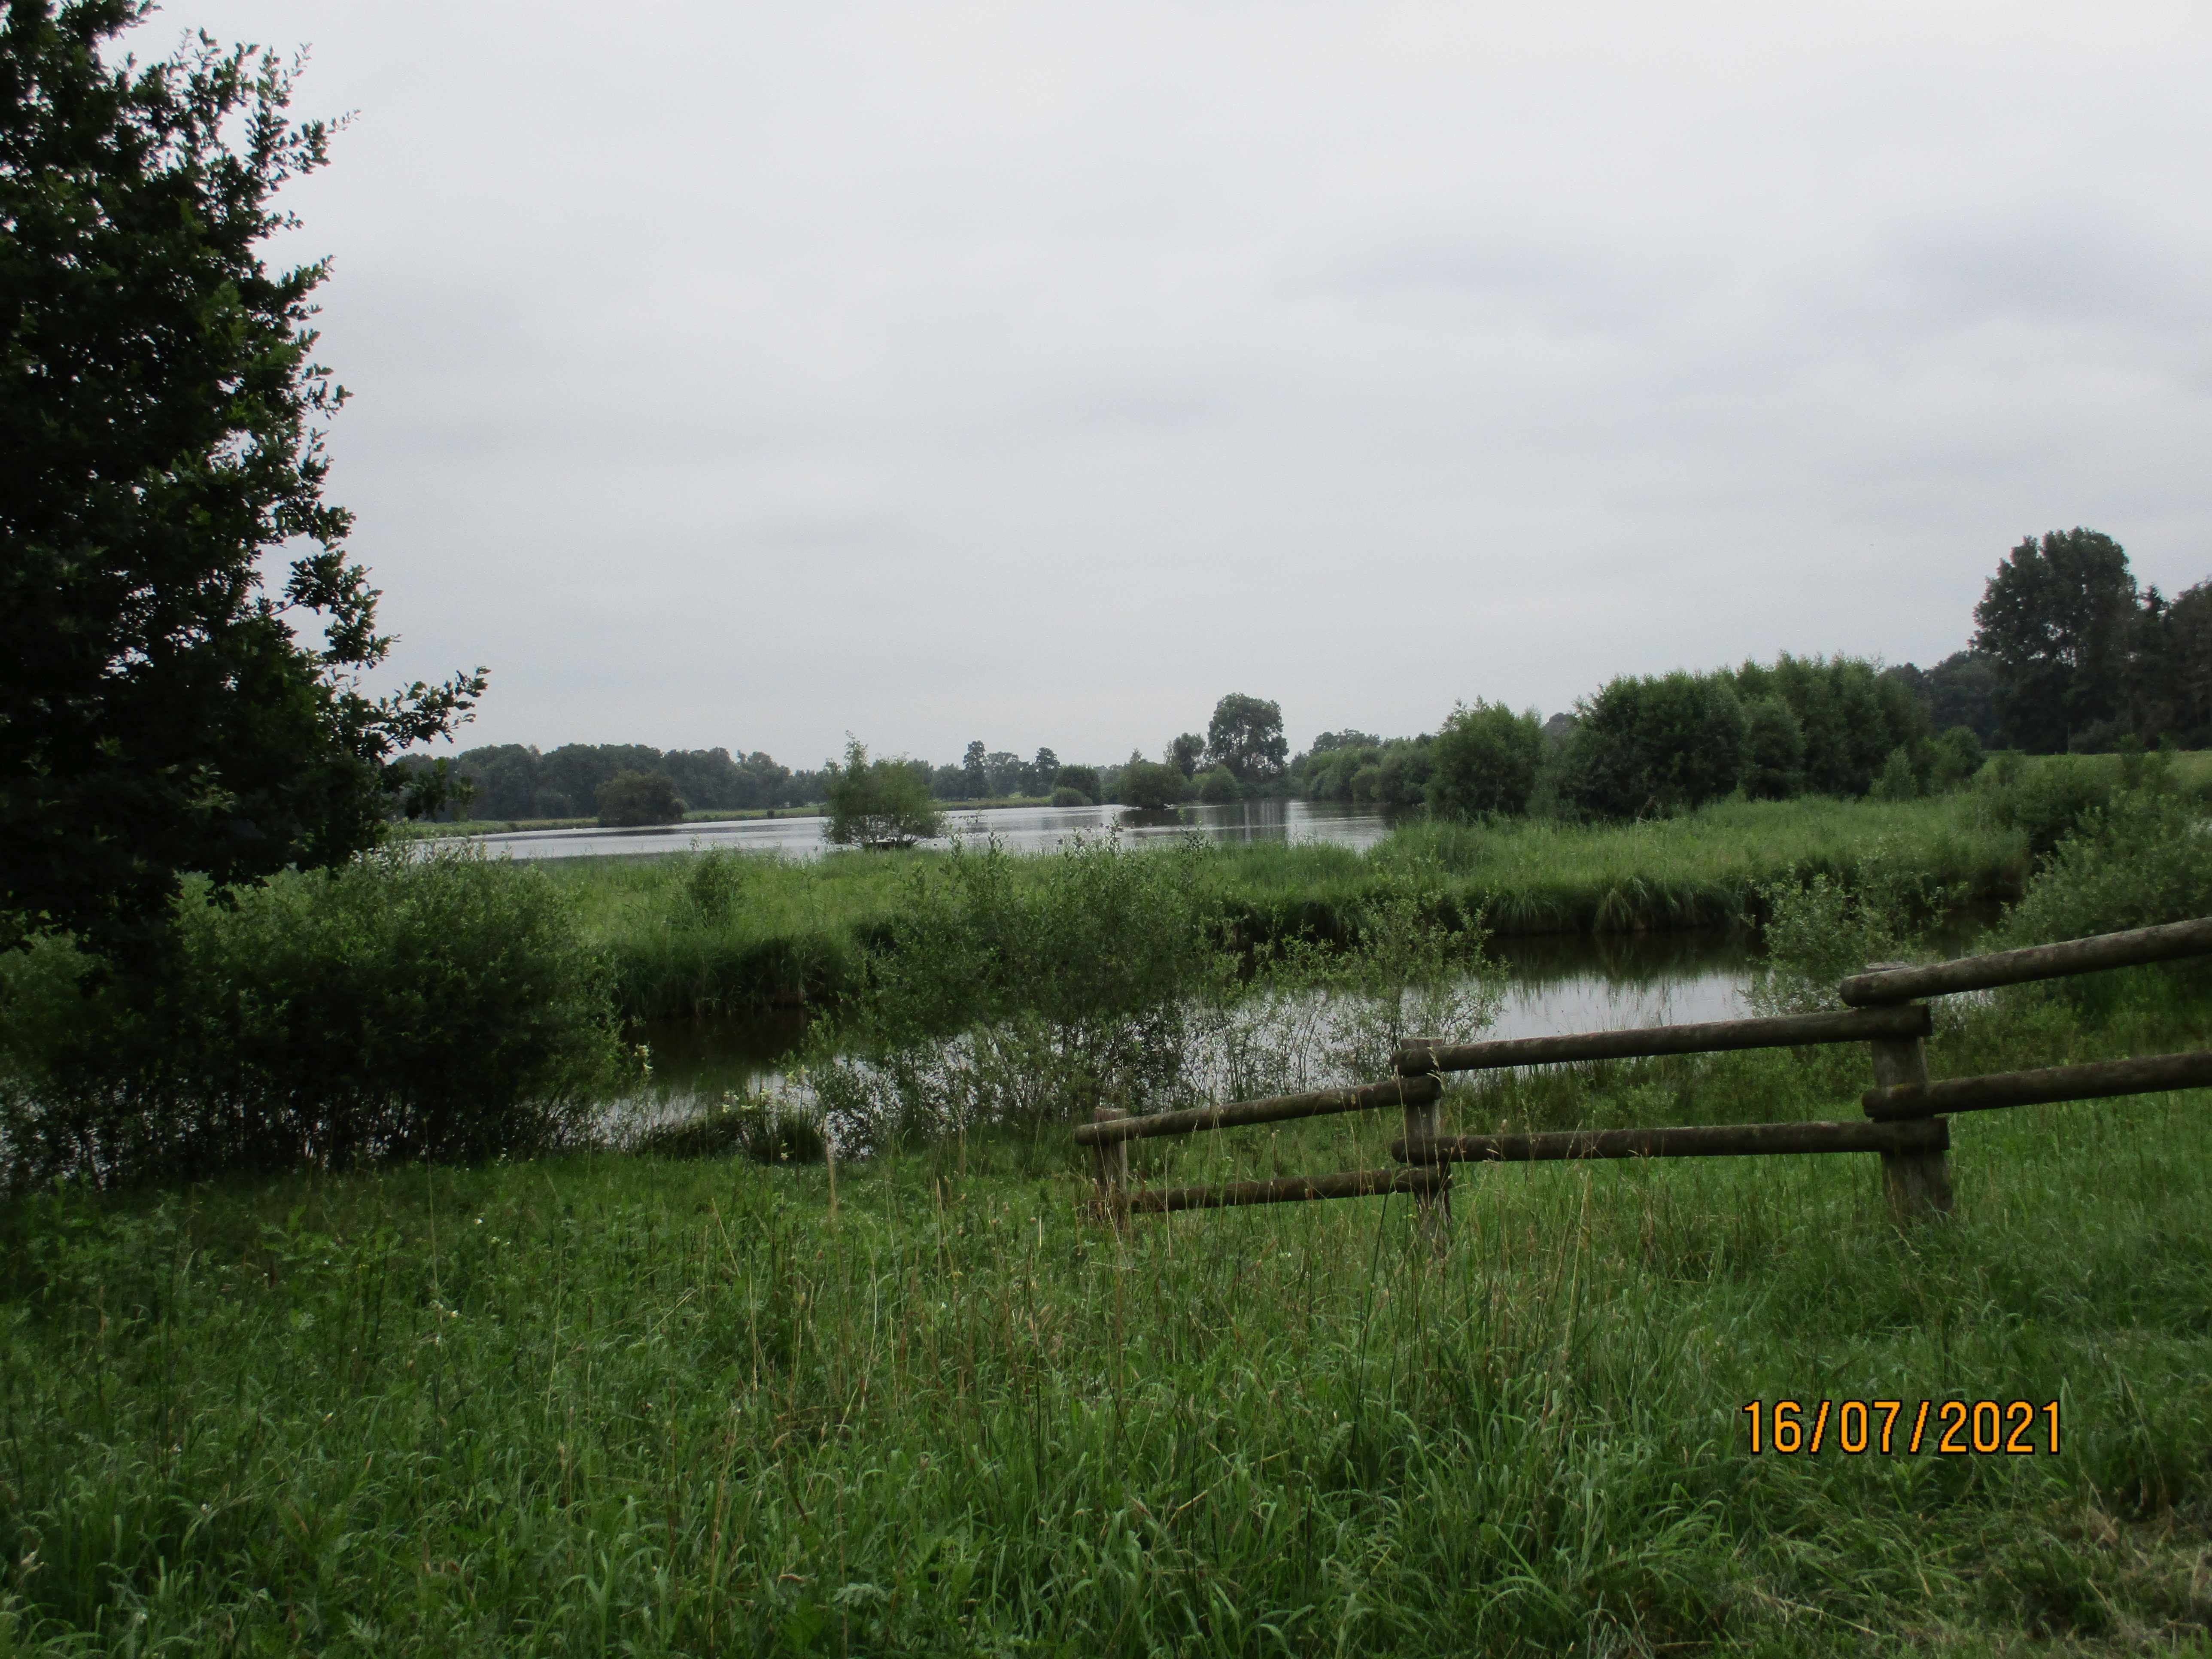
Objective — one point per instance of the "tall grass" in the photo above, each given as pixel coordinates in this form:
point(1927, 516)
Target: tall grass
point(600, 1405)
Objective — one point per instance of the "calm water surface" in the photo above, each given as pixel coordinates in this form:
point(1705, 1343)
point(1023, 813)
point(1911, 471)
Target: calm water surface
point(1019, 829)
point(1555, 983)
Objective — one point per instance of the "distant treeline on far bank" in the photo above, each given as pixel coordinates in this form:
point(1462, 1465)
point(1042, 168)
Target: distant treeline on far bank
point(2067, 655)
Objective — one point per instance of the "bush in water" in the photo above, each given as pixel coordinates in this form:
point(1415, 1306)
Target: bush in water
point(1110, 979)
point(878, 803)
point(1821, 930)
point(1151, 785)
point(440, 1006)
point(629, 799)
point(1218, 786)
point(991, 999)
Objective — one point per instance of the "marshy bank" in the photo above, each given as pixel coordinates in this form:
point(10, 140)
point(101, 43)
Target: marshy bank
point(707, 936)
point(447, 1004)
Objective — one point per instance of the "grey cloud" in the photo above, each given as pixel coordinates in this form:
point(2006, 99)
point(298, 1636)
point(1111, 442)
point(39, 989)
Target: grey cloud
point(1067, 372)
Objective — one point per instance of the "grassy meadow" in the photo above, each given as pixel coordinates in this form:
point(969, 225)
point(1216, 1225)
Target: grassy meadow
point(621, 1401)
point(612, 1404)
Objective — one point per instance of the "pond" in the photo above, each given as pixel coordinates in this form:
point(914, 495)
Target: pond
point(1554, 983)
point(1019, 829)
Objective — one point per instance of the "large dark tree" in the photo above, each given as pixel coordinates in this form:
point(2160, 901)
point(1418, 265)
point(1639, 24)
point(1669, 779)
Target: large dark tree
point(2187, 625)
point(2057, 620)
point(159, 413)
point(1246, 736)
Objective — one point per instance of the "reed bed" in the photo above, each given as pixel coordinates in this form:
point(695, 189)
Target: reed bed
point(794, 930)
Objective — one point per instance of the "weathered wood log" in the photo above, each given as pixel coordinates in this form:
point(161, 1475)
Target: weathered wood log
point(2100, 1079)
point(1917, 1183)
point(1787, 1031)
point(1109, 1165)
point(1289, 1189)
point(1700, 1140)
point(1404, 1091)
point(1421, 1123)
point(2131, 949)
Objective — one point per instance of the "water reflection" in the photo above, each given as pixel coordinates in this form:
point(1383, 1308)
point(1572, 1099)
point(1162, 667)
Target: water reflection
point(1559, 983)
point(1555, 983)
point(1020, 828)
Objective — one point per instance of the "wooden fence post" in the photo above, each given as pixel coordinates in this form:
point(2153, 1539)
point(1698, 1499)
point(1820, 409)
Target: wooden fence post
point(1433, 1207)
point(1110, 1163)
point(1918, 1184)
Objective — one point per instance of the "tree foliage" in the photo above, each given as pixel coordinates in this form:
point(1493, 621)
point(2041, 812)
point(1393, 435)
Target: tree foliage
point(2058, 619)
point(1485, 758)
point(1849, 714)
point(1773, 751)
point(1083, 780)
point(160, 411)
point(1245, 736)
point(1653, 745)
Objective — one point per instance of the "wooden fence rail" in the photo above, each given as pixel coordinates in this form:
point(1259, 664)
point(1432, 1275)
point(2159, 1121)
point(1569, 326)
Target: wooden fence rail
point(1905, 1122)
point(1700, 1140)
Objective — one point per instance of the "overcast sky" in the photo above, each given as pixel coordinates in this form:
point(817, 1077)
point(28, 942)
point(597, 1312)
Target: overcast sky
point(750, 374)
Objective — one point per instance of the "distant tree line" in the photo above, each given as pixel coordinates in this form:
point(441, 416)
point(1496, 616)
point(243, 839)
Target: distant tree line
point(1655, 744)
point(2068, 655)
point(515, 780)
point(1244, 753)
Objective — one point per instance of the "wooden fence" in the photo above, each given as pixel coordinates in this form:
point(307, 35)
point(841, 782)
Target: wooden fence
point(1906, 1116)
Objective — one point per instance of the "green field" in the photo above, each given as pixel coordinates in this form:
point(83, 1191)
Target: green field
point(620, 1405)
point(795, 930)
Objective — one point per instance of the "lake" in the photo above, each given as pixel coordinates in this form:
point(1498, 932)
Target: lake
point(1019, 829)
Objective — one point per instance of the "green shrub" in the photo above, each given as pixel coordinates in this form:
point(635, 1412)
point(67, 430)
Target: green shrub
point(1956, 758)
point(714, 884)
point(440, 1006)
point(2142, 858)
point(1820, 929)
point(1897, 781)
point(1642, 747)
point(1065, 796)
point(1485, 759)
point(2047, 799)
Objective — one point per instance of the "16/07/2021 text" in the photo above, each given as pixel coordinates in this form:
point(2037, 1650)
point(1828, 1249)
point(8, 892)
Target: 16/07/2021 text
point(2015, 1428)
